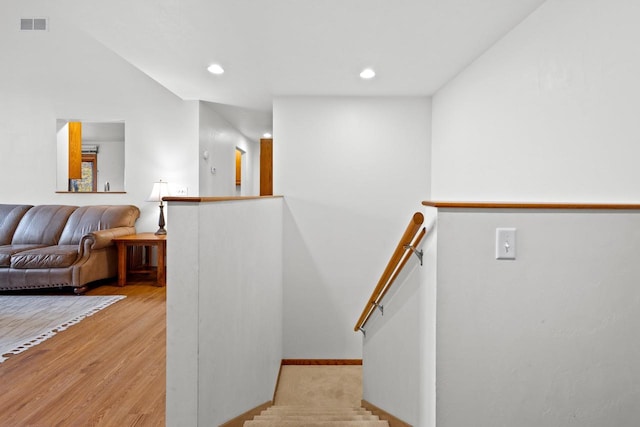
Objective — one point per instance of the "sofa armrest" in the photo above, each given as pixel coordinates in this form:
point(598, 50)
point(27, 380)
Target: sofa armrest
point(102, 238)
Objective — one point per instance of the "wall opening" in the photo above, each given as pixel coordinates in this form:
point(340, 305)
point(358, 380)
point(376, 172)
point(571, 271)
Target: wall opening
point(240, 170)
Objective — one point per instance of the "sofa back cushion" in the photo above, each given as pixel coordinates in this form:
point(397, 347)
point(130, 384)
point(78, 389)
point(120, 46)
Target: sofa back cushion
point(87, 219)
point(10, 216)
point(42, 224)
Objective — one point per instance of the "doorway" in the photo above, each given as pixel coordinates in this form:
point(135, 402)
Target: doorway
point(240, 171)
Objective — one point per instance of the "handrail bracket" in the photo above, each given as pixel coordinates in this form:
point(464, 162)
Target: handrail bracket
point(380, 307)
point(364, 333)
point(418, 253)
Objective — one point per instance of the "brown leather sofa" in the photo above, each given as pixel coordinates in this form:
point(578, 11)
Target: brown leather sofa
point(58, 245)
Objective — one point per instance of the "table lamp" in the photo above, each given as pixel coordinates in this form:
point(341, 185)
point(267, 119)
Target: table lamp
point(160, 189)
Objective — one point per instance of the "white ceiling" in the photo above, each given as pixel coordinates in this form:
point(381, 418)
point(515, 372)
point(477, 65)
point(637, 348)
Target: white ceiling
point(299, 47)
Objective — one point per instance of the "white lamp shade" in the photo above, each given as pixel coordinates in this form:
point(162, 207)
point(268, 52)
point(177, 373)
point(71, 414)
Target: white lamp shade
point(160, 189)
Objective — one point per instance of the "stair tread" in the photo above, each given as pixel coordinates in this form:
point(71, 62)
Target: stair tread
point(317, 417)
point(315, 411)
point(285, 423)
point(352, 408)
point(312, 416)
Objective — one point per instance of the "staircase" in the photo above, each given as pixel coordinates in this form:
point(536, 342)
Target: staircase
point(318, 396)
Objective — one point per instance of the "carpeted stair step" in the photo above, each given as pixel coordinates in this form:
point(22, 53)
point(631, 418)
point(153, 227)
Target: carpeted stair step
point(317, 396)
point(314, 410)
point(314, 407)
point(314, 416)
point(281, 423)
point(317, 417)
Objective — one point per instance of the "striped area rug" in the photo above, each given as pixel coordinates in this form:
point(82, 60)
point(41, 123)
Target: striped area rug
point(26, 321)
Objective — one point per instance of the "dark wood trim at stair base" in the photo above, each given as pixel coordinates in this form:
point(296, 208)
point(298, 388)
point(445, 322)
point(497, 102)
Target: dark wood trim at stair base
point(275, 390)
point(384, 415)
point(247, 416)
point(321, 362)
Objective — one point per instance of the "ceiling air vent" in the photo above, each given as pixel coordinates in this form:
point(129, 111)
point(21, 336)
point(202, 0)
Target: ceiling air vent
point(34, 24)
point(90, 149)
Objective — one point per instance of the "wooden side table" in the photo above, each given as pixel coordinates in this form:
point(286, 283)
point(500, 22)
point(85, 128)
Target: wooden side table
point(148, 240)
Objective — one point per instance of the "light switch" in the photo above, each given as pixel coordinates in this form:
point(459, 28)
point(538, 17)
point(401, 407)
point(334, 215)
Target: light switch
point(505, 243)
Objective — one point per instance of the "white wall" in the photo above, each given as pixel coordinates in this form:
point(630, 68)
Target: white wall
point(550, 339)
point(549, 113)
point(391, 349)
point(62, 73)
point(224, 309)
point(62, 156)
point(110, 165)
point(353, 171)
point(399, 346)
point(220, 139)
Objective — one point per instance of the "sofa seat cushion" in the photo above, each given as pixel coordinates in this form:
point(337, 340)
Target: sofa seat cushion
point(7, 251)
point(58, 256)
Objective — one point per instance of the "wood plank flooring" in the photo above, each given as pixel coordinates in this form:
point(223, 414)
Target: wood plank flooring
point(108, 370)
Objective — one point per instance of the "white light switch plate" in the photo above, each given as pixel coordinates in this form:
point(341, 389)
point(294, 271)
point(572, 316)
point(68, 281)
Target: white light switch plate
point(505, 243)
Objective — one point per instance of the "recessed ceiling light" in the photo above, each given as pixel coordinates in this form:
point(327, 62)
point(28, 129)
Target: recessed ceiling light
point(215, 69)
point(367, 74)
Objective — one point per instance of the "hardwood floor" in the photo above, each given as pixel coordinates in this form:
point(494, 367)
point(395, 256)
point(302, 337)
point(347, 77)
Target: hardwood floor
point(108, 370)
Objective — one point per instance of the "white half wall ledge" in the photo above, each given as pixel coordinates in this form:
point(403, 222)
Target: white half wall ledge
point(216, 199)
point(536, 338)
point(224, 268)
point(532, 205)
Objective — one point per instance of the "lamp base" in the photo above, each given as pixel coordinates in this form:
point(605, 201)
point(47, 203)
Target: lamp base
point(161, 231)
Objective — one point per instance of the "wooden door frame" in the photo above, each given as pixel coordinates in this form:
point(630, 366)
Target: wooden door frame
point(266, 167)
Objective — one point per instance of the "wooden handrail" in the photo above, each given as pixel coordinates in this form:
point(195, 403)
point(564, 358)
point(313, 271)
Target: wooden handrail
point(399, 258)
point(532, 205)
